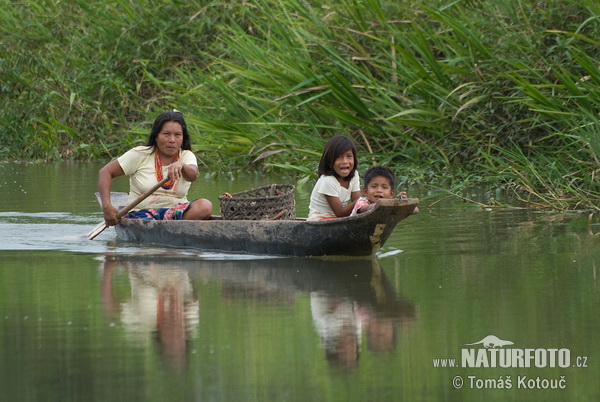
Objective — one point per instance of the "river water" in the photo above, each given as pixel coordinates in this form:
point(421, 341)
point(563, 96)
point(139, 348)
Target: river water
point(107, 320)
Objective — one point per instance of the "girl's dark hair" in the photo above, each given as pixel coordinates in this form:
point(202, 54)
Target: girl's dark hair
point(334, 148)
point(166, 117)
point(382, 171)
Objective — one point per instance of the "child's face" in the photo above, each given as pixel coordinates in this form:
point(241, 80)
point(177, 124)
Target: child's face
point(379, 187)
point(344, 164)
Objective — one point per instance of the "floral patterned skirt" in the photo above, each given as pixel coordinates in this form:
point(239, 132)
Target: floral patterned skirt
point(167, 214)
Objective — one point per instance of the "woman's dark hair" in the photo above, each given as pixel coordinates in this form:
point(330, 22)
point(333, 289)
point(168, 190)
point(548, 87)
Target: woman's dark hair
point(382, 171)
point(335, 147)
point(166, 117)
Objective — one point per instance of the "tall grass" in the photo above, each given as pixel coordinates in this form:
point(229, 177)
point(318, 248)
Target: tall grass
point(502, 91)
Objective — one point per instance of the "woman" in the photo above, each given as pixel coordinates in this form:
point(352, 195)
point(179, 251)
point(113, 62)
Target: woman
point(167, 154)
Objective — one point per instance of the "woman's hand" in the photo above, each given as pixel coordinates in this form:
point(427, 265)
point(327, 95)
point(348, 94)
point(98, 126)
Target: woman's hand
point(175, 170)
point(105, 175)
point(110, 215)
point(178, 170)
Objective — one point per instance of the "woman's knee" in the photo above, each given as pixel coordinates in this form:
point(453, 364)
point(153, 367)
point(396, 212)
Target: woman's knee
point(200, 209)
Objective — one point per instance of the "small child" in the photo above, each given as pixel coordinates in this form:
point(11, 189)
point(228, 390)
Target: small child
point(380, 182)
point(338, 186)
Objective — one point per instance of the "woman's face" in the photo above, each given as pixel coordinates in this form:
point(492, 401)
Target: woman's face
point(344, 164)
point(169, 139)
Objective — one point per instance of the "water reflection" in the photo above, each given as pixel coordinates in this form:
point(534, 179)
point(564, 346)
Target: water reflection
point(373, 309)
point(338, 323)
point(162, 305)
point(522, 275)
point(350, 302)
point(341, 322)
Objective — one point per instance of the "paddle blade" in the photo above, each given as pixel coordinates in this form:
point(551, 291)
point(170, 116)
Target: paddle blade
point(99, 228)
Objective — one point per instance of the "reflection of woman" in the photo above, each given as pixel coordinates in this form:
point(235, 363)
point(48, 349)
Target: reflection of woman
point(162, 303)
point(167, 154)
point(338, 324)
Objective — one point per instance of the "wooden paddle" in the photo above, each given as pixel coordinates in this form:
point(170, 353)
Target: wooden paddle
point(101, 226)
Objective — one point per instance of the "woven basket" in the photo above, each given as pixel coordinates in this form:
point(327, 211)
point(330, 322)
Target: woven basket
point(262, 203)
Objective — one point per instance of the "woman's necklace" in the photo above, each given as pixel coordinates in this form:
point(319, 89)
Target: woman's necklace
point(159, 172)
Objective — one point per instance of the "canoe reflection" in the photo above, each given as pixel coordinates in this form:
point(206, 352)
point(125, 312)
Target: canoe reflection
point(348, 299)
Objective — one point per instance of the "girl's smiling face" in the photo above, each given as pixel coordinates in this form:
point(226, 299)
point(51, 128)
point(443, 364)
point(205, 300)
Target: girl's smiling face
point(343, 164)
point(379, 187)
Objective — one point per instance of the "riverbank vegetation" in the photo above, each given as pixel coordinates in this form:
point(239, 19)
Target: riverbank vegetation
point(502, 92)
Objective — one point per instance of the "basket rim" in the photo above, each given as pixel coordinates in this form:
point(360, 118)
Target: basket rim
point(289, 190)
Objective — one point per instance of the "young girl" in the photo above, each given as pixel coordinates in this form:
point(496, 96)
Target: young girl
point(338, 186)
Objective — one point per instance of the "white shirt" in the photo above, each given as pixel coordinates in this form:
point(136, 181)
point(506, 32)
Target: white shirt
point(335, 317)
point(138, 164)
point(328, 185)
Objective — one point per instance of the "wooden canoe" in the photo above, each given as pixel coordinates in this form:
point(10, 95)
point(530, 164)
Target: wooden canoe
point(356, 236)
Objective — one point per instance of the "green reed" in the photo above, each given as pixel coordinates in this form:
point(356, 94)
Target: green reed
point(500, 92)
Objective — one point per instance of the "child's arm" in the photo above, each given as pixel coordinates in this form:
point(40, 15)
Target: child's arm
point(402, 194)
point(366, 208)
point(336, 205)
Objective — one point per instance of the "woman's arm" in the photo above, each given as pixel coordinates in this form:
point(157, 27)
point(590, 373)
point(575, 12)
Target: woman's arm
point(105, 175)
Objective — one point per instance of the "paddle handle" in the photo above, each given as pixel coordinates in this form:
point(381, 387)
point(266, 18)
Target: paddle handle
point(141, 198)
point(100, 227)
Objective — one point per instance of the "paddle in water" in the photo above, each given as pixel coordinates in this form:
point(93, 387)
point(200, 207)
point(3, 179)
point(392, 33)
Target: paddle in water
point(101, 226)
